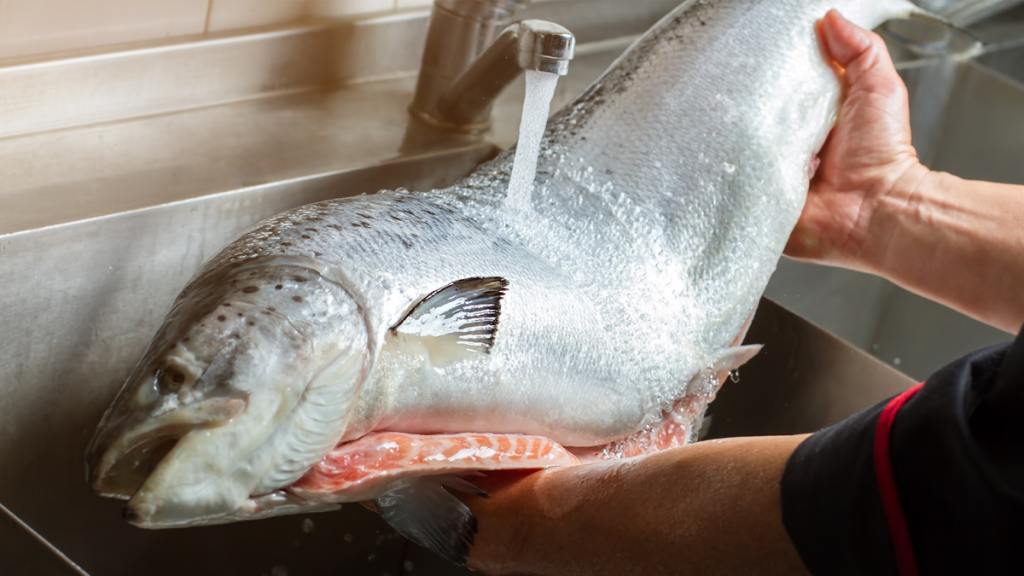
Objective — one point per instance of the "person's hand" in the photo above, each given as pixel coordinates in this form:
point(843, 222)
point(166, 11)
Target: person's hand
point(867, 152)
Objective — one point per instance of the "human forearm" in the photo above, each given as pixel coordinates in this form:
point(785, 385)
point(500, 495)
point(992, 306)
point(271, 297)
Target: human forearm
point(955, 241)
point(709, 508)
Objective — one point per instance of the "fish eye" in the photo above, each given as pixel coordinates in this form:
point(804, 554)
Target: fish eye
point(169, 379)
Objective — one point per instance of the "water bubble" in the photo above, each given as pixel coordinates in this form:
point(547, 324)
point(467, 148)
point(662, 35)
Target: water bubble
point(734, 376)
point(729, 168)
point(307, 525)
point(896, 361)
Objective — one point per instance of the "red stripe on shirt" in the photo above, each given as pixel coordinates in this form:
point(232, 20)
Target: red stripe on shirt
point(905, 559)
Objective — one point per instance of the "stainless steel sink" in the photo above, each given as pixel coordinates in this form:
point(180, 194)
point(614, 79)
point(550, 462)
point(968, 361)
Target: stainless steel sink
point(110, 203)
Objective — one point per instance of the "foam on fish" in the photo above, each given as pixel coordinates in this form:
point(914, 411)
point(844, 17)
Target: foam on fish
point(540, 88)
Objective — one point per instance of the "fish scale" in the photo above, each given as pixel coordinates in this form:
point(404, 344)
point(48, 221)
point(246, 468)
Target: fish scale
point(599, 317)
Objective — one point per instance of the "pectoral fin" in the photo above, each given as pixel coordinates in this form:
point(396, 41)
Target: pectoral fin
point(423, 511)
point(455, 322)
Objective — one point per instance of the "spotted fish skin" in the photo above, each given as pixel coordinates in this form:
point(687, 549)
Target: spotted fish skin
point(663, 199)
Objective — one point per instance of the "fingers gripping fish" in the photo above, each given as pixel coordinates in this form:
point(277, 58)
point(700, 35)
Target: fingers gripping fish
point(380, 346)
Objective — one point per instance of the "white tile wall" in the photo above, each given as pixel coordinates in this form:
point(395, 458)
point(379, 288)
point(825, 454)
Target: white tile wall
point(35, 26)
point(233, 14)
point(333, 8)
point(412, 3)
point(29, 27)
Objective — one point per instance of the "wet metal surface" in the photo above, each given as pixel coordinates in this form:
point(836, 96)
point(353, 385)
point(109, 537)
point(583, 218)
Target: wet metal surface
point(803, 380)
point(24, 548)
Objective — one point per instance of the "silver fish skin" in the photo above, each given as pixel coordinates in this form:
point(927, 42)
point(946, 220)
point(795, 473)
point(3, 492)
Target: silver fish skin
point(663, 199)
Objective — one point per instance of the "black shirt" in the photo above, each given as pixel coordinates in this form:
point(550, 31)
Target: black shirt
point(957, 456)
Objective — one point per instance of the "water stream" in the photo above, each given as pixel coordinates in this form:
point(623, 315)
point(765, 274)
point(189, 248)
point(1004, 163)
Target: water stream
point(540, 88)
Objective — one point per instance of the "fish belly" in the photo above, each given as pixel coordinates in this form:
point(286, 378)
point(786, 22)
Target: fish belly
point(368, 467)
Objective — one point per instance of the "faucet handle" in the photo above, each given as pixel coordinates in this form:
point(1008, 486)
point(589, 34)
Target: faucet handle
point(545, 46)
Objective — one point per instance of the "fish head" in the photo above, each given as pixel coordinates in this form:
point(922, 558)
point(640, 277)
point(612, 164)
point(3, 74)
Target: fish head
point(196, 431)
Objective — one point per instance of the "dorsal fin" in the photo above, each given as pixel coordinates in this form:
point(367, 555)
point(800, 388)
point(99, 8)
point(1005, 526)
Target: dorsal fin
point(457, 320)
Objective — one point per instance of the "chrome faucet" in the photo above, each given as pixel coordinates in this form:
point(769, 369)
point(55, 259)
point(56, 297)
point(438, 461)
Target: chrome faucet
point(465, 67)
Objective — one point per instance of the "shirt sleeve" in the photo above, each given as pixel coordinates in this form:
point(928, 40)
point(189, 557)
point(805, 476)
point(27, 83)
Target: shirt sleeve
point(957, 455)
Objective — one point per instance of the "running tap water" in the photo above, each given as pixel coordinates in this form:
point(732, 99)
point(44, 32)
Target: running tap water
point(540, 88)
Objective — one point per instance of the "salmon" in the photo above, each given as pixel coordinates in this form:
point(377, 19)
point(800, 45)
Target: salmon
point(385, 346)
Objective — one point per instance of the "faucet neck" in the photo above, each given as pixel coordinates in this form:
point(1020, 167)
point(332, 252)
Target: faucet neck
point(460, 30)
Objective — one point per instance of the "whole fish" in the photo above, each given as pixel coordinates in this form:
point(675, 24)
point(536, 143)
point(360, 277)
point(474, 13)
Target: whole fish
point(376, 347)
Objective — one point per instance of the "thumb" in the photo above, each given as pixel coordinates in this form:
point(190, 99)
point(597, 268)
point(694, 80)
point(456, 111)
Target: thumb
point(857, 50)
point(845, 40)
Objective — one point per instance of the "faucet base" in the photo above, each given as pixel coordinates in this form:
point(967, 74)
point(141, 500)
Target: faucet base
point(468, 128)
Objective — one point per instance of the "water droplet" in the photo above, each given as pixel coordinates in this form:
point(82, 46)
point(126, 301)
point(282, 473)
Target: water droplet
point(371, 557)
point(348, 538)
point(407, 566)
point(729, 168)
point(896, 361)
point(734, 376)
point(307, 525)
point(279, 570)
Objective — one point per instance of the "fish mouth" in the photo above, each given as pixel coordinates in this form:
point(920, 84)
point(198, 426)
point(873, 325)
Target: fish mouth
point(121, 459)
point(121, 476)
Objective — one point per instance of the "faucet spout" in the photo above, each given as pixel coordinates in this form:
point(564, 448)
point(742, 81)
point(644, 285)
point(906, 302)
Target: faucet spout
point(530, 45)
point(463, 71)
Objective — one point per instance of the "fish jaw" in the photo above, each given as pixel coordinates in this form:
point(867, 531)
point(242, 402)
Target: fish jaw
point(229, 404)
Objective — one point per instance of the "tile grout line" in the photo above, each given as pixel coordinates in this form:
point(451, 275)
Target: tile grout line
point(209, 12)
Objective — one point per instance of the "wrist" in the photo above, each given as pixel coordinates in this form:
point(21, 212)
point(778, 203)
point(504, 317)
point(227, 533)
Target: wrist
point(895, 201)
